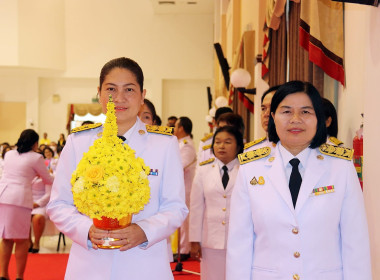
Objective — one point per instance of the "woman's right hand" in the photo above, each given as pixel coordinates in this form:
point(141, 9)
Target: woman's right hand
point(196, 251)
point(96, 236)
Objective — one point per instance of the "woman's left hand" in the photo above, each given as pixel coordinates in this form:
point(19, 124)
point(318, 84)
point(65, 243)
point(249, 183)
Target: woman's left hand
point(130, 237)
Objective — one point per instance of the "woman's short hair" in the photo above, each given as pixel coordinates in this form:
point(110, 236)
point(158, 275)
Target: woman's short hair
point(233, 131)
point(329, 111)
point(295, 87)
point(26, 141)
point(125, 63)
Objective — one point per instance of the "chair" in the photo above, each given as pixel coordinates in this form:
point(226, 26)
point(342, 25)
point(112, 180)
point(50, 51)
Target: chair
point(61, 235)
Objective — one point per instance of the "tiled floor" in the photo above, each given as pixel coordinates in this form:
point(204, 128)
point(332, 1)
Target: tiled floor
point(48, 245)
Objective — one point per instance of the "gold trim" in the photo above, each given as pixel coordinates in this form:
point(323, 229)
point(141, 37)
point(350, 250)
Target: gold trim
point(206, 147)
point(208, 136)
point(254, 142)
point(85, 127)
point(207, 161)
point(335, 151)
point(253, 155)
point(166, 130)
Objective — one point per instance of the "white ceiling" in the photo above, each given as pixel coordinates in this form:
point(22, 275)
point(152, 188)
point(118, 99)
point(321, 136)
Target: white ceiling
point(183, 6)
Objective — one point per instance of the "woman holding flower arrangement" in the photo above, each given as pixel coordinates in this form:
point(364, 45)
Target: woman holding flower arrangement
point(102, 178)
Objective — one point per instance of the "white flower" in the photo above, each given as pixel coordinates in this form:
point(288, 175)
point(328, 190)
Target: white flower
point(79, 185)
point(113, 184)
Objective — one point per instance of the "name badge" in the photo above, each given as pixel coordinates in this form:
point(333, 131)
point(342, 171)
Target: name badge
point(153, 172)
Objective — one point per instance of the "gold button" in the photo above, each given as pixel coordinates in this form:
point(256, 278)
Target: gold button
point(295, 230)
point(320, 157)
point(224, 209)
point(296, 277)
point(224, 196)
point(297, 254)
point(223, 223)
point(271, 159)
point(141, 132)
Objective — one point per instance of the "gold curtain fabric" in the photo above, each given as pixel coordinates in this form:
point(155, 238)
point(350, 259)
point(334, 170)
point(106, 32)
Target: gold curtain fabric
point(300, 67)
point(83, 109)
point(321, 34)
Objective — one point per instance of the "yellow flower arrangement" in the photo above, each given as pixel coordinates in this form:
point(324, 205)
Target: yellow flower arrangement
point(110, 181)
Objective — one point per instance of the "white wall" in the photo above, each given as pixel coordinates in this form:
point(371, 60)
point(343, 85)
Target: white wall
point(78, 37)
point(362, 57)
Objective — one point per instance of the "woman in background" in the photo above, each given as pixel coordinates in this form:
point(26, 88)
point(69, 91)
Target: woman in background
point(297, 211)
point(21, 166)
point(210, 203)
point(331, 120)
point(147, 112)
point(61, 141)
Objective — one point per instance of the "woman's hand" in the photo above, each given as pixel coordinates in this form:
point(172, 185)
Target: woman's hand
point(96, 236)
point(130, 237)
point(196, 251)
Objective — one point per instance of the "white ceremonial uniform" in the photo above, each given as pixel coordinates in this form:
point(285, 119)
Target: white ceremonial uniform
point(18, 173)
point(209, 215)
point(204, 149)
point(189, 161)
point(164, 213)
point(324, 238)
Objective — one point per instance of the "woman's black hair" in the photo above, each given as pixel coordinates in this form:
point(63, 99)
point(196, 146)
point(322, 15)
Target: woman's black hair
point(269, 90)
point(329, 110)
point(125, 63)
point(151, 108)
point(295, 87)
point(5, 150)
point(233, 131)
point(26, 141)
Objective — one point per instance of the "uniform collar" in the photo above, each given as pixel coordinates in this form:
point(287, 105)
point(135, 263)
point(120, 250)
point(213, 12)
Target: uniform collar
point(287, 156)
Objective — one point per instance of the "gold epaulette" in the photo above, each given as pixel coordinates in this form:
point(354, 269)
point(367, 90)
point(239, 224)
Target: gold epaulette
point(85, 127)
point(208, 136)
point(253, 155)
point(206, 147)
point(207, 161)
point(335, 141)
point(160, 129)
point(335, 151)
point(254, 142)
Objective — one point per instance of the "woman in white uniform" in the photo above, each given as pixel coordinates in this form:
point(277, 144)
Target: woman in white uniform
point(210, 203)
point(16, 202)
point(143, 253)
point(297, 210)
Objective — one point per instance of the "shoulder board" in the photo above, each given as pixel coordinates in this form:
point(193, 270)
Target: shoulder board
point(336, 141)
point(253, 155)
point(206, 161)
point(254, 142)
point(334, 151)
point(206, 147)
point(85, 127)
point(160, 129)
point(208, 136)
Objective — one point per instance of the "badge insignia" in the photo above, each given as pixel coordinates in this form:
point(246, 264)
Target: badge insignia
point(323, 190)
point(261, 180)
point(253, 181)
point(153, 172)
point(253, 155)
